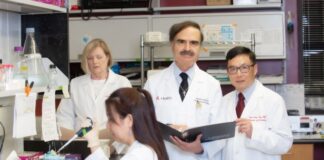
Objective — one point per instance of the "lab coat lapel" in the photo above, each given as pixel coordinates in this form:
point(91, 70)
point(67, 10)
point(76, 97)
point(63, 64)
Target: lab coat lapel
point(109, 82)
point(172, 86)
point(232, 106)
point(253, 103)
point(194, 87)
point(88, 88)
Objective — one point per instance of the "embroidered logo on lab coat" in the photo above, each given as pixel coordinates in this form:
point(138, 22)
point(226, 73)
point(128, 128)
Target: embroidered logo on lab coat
point(258, 118)
point(163, 98)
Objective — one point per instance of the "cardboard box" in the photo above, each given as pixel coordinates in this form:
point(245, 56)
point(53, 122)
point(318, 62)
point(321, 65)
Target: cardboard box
point(218, 2)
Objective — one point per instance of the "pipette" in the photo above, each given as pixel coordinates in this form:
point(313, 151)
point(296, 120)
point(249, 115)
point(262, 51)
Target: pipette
point(83, 131)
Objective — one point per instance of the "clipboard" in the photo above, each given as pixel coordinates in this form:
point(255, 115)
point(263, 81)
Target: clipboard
point(209, 132)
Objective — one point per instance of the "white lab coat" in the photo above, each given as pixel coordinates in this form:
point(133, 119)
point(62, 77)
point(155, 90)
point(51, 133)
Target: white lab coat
point(83, 103)
point(200, 106)
point(271, 134)
point(137, 151)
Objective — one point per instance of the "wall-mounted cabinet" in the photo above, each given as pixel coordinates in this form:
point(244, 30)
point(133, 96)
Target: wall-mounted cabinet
point(29, 7)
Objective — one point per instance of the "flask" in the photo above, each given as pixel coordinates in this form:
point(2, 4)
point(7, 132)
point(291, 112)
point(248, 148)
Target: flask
point(36, 70)
point(33, 59)
point(21, 67)
point(30, 46)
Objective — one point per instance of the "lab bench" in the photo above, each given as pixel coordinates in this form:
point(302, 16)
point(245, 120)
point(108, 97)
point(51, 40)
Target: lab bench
point(306, 147)
point(76, 147)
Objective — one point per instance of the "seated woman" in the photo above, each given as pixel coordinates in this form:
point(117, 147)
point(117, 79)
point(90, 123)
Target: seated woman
point(131, 121)
point(89, 91)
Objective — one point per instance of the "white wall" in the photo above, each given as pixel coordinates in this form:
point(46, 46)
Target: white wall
point(10, 36)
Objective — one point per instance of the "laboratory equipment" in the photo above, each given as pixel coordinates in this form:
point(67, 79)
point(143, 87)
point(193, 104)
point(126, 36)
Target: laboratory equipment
point(52, 76)
point(36, 71)
point(2, 81)
point(28, 87)
point(30, 46)
point(21, 66)
point(83, 131)
point(33, 60)
point(6, 76)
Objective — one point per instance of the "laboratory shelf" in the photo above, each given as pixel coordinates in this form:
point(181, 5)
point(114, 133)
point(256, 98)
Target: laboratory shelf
point(29, 7)
point(9, 93)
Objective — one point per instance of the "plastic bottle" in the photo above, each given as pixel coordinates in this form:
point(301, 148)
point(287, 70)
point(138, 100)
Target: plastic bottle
point(7, 75)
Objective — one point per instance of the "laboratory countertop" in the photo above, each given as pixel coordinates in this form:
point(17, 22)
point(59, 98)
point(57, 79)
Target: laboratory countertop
point(78, 146)
point(308, 138)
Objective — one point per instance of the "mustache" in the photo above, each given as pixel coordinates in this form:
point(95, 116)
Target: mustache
point(189, 53)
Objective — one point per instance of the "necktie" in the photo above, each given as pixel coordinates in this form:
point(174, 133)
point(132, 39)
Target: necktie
point(240, 105)
point(183, 85)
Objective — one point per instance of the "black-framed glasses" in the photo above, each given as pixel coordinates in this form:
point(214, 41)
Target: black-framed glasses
point(243, 68)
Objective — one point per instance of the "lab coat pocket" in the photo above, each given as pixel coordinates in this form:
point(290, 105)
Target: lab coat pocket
point(259, 124)
point(202, 111)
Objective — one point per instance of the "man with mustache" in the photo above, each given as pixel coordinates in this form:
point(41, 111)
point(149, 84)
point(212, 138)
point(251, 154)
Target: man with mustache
point(185, 96)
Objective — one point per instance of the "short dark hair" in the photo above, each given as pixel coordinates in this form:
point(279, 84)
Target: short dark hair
point(178, 27)
point(239, 50)
point(139, 104)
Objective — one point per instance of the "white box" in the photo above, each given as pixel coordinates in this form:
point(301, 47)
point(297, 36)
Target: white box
point(269, 1)
point(244, 2)
point(155, 37)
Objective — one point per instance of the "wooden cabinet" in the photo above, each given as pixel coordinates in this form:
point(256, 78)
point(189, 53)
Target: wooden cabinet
point(300, 152)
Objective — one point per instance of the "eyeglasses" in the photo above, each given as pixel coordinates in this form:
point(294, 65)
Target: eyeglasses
point(182, 43)
point(243, 69)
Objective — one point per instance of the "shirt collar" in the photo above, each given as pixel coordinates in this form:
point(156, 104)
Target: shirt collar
point(248, 92)
point(190, 72)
